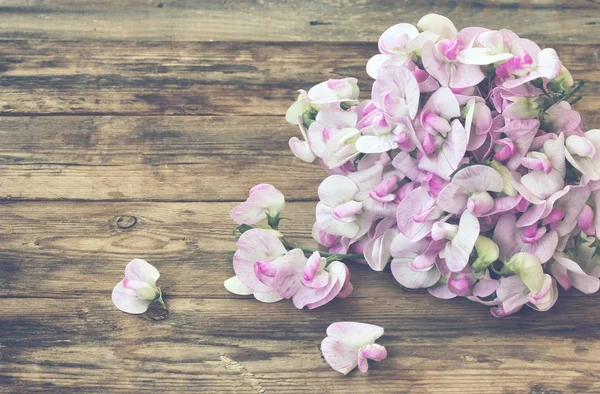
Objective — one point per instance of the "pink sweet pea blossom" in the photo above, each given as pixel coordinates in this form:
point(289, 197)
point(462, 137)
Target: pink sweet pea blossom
point(446, 153)
point(263, 201)
point(514, 294)
point(322, 283)
point(584, 153)
point(460, 240)
point(256, 246)
point(343, 90)
point(138, 289)
point(511, 240)
point(394, 46)
point(544, 179)
point(528, 63)
point(441, 59)
point(573, 273)
point(396, 93)
point(488, 47)
point(406, 267)
point(469, 189)
point(332, 136)
point(351, 344)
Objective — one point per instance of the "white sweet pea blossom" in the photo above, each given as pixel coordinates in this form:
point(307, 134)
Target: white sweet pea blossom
point(351, 344)
point(138, 289)
point(263, 201)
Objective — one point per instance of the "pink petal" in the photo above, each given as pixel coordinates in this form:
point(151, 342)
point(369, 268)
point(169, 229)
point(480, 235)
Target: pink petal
point(253, 246)
point(340, 355)
point(458, 250)
point(444, 103)
point(357, 334)
point(579, 279)
point(441, 291)
point(263, 199)
point(127, 300)
point(377, 251)
point(289, 270)
point(138, 269)
point(374, 352)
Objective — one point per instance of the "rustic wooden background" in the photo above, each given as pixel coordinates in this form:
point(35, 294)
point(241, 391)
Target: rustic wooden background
point(131, 128)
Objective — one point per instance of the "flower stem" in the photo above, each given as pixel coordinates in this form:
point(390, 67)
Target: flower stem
point(353, 256)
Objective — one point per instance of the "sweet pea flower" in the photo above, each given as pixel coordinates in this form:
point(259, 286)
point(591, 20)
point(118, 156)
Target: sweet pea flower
point(514, 294)
point(539, 184)
point(416, 214)
point(258, 250)
point(332, 136)
point(377, 251)
point(447, 153)
point(300, 107)
point(393, 45)
point(520, 135)
point(338, 213)
point(138, 289)
point(460, 240)
point(264, 201)
point(570, 273)
point(407, 270)
point(561, 118)
point(469, 189)
point(584, 153)
point(336, 91)
point(512, 239)
point(491, 46)
point(322, 283)
point(351, 344)
point(301, 148)
point(528, 63)
point(396, 92)
point(380, 135)
point(441, 59)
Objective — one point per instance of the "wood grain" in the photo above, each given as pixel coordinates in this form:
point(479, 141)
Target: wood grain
point(130, 128)
point(183, 78)
point(272, 20)
point(150, 158)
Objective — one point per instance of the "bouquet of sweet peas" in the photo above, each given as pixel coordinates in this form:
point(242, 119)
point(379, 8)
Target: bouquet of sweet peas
point(467, 172)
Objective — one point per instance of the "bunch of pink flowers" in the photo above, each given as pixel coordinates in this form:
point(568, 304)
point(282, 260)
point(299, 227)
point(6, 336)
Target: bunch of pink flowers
point(467, 172)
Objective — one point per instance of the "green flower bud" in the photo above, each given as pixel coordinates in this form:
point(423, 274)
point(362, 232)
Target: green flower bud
point(487, 253)
point(509, 189)
point(529, 269)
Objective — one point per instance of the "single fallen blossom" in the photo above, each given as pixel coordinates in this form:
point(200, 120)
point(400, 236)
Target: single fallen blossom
point(351, 344)
point(138, 290)
point(264, 201)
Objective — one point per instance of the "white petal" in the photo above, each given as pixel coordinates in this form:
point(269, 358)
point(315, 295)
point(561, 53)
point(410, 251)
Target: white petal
point(235, 286)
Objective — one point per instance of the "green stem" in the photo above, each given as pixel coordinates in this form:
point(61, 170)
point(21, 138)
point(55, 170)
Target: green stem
point(566, 96)
point(290, 245)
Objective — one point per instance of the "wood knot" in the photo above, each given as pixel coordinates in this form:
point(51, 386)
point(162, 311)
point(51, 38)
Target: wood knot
point(125, 222)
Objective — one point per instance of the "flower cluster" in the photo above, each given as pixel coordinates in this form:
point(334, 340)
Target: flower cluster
point(467, 171)
point(266, 269)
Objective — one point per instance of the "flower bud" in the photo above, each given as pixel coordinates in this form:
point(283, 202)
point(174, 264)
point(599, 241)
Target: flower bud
point(529, 269)
point(509, 189)
point(487, 253)
point(563, 82)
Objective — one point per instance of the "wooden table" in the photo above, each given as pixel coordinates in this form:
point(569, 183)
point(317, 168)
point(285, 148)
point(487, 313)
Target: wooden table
point(131, 128)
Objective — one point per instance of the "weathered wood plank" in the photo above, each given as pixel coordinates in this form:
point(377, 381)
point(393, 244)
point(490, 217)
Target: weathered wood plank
point(71, 77)
point(151, 158)
point(244, 346)
point(356, 20)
